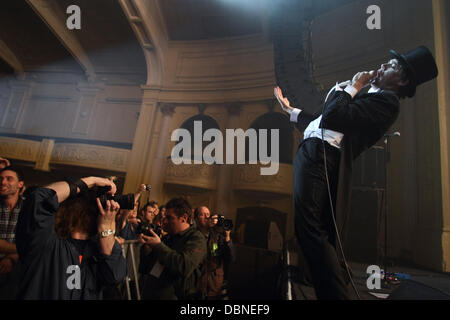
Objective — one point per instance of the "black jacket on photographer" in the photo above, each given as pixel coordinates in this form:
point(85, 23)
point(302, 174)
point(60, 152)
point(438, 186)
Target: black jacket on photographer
point(180, 256)
point(48, 261)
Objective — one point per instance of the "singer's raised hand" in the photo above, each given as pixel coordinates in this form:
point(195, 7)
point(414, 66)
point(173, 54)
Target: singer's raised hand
point(284, 102)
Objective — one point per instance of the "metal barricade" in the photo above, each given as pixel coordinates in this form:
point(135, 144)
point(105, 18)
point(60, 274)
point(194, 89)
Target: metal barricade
point(129, 247)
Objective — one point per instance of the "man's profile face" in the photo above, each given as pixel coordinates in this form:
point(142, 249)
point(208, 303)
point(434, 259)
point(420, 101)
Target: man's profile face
point(389, 76)
point(172, 223)
point(9, 183)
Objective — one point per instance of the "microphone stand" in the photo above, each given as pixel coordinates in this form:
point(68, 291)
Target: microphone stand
point(387, 158)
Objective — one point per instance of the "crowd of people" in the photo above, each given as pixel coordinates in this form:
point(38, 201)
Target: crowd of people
point(71, 240)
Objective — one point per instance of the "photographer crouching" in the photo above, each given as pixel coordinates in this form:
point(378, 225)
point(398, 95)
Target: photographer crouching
point(217, 231)
point(78, 258)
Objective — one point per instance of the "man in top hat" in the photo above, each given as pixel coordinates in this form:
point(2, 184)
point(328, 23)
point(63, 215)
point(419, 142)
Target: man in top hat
point(351, 122)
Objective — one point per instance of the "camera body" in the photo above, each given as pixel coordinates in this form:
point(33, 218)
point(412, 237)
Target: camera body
point(145, 227)
point(226, 224)
point(125, 201)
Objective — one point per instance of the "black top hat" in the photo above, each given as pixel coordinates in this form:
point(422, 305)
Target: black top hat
point(419, 66)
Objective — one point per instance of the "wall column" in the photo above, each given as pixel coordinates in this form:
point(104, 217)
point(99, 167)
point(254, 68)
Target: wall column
point(141, 153)
point(158, 169)
point(441, 47)
point(225, 173)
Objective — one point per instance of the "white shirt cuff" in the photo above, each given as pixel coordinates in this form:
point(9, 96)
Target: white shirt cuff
point(337, 87)
point(294, 114)
point(351, 91)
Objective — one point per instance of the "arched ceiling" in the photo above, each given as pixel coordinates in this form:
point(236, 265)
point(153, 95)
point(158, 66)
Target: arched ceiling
point(33, 34)
point(105, 45)
point(208, 19)
point(30, 40)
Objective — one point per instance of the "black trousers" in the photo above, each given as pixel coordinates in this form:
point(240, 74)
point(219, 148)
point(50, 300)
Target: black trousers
point(314, 225)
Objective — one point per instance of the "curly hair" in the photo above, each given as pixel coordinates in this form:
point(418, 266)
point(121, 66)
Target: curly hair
point(77, 214)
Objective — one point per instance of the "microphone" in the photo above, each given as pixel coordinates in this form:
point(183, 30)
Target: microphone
point(349, 82)
point(394, 134)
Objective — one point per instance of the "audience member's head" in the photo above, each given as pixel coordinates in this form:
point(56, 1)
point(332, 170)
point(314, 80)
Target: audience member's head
point(178, 213)
point(11, 181)
point(78, 214)
point(201, 216)
point(150, 211)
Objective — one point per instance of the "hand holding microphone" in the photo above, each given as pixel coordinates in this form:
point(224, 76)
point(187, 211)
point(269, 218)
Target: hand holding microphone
point(361, 79)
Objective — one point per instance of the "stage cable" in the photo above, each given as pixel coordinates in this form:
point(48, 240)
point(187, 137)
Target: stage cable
point(347, 268)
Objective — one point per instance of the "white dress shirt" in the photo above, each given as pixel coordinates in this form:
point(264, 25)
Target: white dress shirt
point(334, 138)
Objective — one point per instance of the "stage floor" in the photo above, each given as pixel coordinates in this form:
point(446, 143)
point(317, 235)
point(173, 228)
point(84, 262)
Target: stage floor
point(434, 280)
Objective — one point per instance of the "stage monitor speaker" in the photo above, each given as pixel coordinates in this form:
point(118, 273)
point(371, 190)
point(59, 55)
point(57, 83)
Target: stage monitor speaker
point(424, 289)
point(361, 238)
point(369, 168)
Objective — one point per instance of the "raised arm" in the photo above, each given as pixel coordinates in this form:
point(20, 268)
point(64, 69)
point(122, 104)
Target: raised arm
point(139, 191)
point(62, 188)
point(283, 101)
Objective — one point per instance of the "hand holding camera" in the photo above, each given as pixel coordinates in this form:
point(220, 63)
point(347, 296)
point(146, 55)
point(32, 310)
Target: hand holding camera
point(106, 185)
point(153, 240)
point(107, 215)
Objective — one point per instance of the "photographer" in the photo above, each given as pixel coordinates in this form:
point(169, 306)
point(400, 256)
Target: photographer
point(78, 258)
point(172, 267)
point(217, 231)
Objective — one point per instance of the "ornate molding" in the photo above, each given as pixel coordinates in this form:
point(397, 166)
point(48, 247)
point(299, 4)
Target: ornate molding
point(193, 175)
point(91, 156)
point(248, 177)
point(214, 65)
point(167, 109)
point(46, 152)
point(20, 149)
point(202, 107)
point(235, 109)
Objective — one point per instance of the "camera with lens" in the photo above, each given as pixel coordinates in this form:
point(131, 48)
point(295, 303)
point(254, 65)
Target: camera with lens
point(145, 228)
point(125, 201)
point(226, 224)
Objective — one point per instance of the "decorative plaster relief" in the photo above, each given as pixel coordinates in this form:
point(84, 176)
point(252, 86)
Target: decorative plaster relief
point(21, 149)
point(198, 175)
point(91, 156)
point(248, 177)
